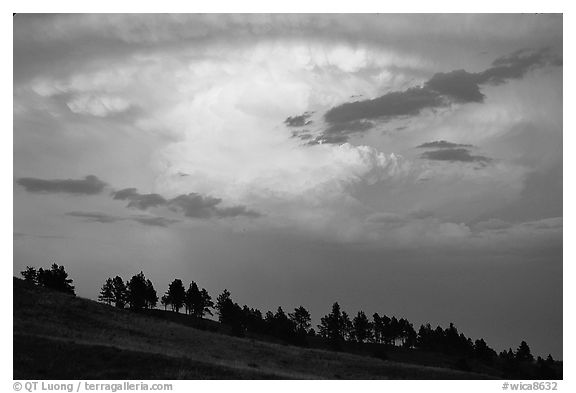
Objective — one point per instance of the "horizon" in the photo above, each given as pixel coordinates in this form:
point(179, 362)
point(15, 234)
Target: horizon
point(409, 165)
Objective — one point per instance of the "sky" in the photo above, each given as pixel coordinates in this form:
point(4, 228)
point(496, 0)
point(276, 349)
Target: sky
point(408, 164)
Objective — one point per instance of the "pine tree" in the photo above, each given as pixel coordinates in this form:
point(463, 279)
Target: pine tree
point(107, 292)
point(119, 292)
point(30, 275)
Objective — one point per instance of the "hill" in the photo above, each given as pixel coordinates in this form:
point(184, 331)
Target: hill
point(59, 336)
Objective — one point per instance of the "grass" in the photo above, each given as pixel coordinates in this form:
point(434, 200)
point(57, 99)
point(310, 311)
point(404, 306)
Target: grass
point(58, 336)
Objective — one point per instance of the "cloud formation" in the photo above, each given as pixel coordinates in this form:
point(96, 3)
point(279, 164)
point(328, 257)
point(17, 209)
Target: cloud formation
point(454, 155)
point(191, 205)
point(104, 218)
point(299, 121)
point(90, 185)
point(95, 216)
point(441, 145)
point(441, 90)
point(137, 200)
point(197, 206)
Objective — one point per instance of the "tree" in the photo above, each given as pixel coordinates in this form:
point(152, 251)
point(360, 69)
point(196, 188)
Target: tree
point(361, 327)
point(137, 292)
point(107, 292)
point(56, 278)
point(332, 325)
point(151, 295)
point(301, 319)
point(176, 294)
point(347, 327)
point(230, 313)
point(206, 304)
point(119, 292)
point(192, 299)
point(523, 353)
point(223, 306)
point(30, 275)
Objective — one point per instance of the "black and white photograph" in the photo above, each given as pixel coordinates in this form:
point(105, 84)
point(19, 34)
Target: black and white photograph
point(309, 196)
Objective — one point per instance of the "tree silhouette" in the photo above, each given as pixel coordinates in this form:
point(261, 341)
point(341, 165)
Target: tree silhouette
point(56, 278)
point(176, 294)
point(361, 327)
point(332, 325)
point(151, 295)
point(230, 313)
point(197, 302)
point(523, 353)
point(137, 292)
point(107, 292)
point(30, 275)
point(119, 292)
point(206, 304)
point(223, 306)
point(301, 319)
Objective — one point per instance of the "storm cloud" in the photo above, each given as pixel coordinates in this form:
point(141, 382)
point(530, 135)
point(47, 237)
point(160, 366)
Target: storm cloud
point(197, 206)
point(95, 216)
point(192, 205)
point(90, 185)
point(441, 90)
point(137, 200)
point(454, 155)
point(299, 121)
point(441, 145)
point(105, 218)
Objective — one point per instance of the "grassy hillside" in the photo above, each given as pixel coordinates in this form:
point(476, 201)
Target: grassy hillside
point(58, 336)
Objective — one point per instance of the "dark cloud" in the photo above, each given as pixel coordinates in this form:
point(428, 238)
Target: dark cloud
point(398, 103)
point(107, 218)
point(139, 201)
point(95, 217)
point(197, 206)
point(517, 64)
point(454, 155)
point(441, 145)
point(192, 205)
point(299, 121)
point(90, 185)
point(154, 221)
point(442, 90)
point(460, 86)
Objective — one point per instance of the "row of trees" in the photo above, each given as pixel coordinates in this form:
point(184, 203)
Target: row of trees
point(54, 278)
point(336, 327)
point(138, 293)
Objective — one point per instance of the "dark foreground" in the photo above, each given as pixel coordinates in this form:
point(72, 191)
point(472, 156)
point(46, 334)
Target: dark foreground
point(58, 336)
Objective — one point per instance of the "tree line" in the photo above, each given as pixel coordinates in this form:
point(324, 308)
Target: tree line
point(336, 328)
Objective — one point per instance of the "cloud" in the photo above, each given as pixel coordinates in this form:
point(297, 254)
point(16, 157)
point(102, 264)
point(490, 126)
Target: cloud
point(197, 206)
point(95, 217)
point(460, 86)
point(298, 121)
point(517, 64)
point(441, 145)
point(90, 185)
point(192, 205)
point(398, 103)
point(441, 90)
point(338, 133)
point(154, 221)
point(104, 218)
point(137, 200)
point(454, 155)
